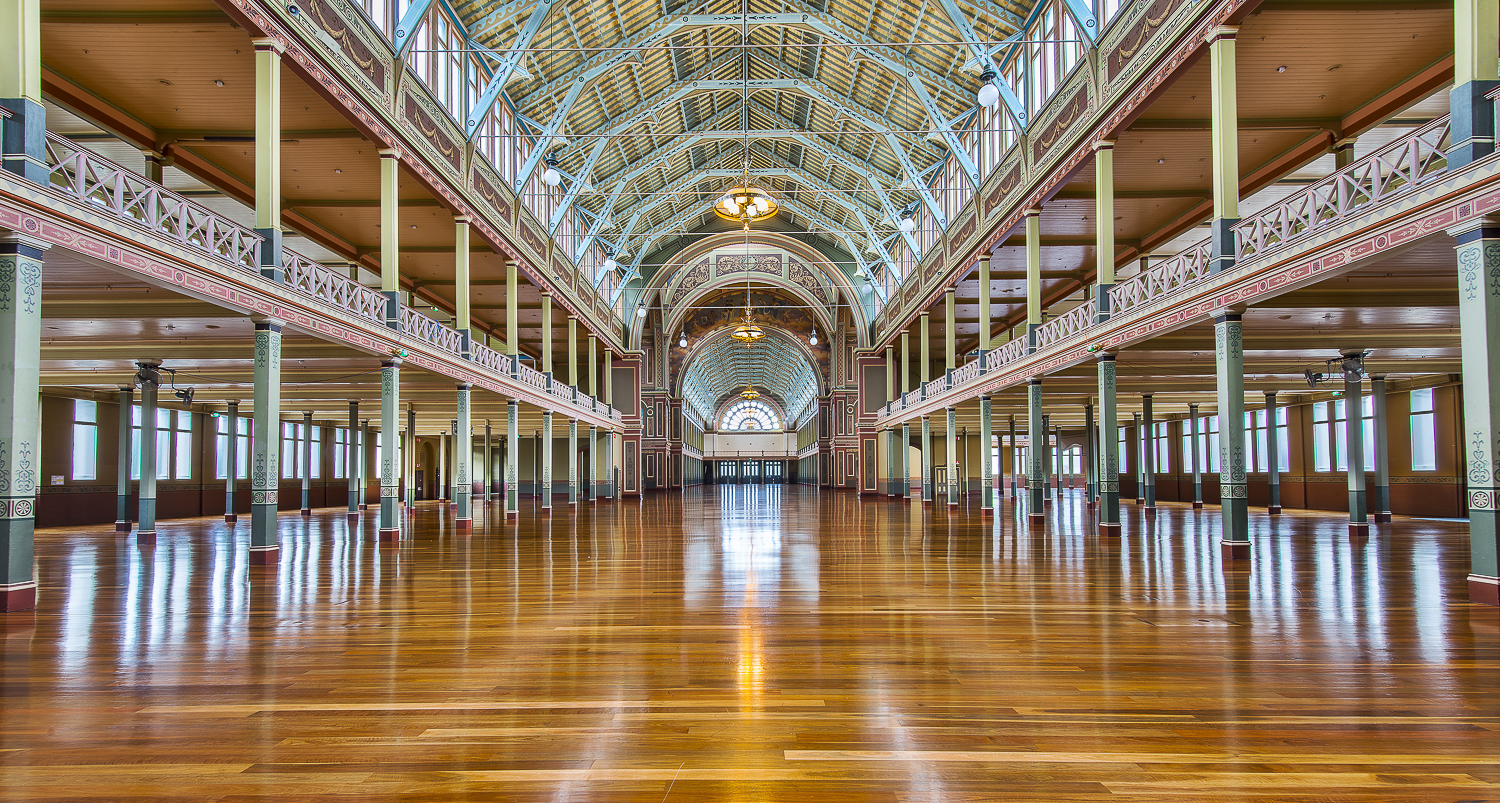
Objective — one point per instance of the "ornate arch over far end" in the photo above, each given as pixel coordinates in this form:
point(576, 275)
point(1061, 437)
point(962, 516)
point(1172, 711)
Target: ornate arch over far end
point(777, 261)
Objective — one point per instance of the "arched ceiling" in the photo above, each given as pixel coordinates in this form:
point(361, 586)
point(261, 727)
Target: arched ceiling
point(845, 109)
point(777, 366)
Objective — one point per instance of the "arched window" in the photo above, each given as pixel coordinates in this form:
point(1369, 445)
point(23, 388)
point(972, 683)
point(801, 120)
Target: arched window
point(749, 416)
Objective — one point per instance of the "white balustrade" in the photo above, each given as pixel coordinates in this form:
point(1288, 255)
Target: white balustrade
point(1066, 325)
point(329, 286)
point(489, 358)
point(425, 329)
point(1164, 277)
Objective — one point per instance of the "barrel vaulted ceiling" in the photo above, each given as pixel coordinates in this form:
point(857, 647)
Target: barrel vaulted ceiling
point(775, 366)
point(850, 107)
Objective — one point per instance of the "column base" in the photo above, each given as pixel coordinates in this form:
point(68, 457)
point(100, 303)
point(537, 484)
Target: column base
point(546, 510)
point(352, 515)
point(464, 524)
point(1359, 529)
point(307, 511)
point(265, 555)
point(1109, 531)
point(1197, 505)
point(1234, 550)
point(513, 514)
point(390, 534)
point(18, 597)
point(1483, 590)
point(146, 538)
point(123, 527)
point(1274, 510)
point(1382, 518)
point(364, 506)
point(230, 518)
point(1151, 511)
point(986, 511)
point(1037, 521)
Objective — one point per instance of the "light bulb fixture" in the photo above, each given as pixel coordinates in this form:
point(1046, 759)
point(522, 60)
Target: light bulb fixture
point(682, 339)
point(640, 312)
point(988, 94)
point(746, 203)
point(748, 331)
point(749, 392)
point(610, 264)
point(908, 224)
point(551, 176)
point(814, 339)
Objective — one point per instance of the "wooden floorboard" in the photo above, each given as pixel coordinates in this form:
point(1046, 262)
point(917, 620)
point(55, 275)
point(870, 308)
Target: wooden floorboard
point(755, 643)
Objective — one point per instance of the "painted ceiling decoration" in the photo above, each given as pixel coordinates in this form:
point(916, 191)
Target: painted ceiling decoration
point(775, 366)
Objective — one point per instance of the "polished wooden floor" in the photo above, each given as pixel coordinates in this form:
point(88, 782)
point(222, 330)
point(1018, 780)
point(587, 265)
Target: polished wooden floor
point(755, 644)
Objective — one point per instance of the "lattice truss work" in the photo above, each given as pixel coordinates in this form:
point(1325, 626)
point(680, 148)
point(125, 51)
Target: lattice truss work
point(854, 114)
point(773, 366)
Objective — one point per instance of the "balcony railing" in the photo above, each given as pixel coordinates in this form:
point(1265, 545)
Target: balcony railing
point(1164, 277)
point(120, 193)
point(124, 195)
point(1066, 325)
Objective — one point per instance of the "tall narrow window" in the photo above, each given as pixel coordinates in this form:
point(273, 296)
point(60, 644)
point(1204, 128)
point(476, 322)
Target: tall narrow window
point(1423, 431)
point(1126, 459)
point(85, 440)
point(182, 445)
point(340, 451)
point(317, 453)
point(1163, 455)
point(1322, 437)
point(1283, 441)
point(242, 448)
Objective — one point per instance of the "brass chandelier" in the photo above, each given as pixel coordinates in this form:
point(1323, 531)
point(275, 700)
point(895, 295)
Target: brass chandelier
point(748, 331)
point(746, 203)
point(749, 392)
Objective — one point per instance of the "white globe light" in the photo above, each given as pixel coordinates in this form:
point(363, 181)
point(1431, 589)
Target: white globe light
point(551, 177)
point(610, 265)
point(988, 94)
point(682, 341)
point(814, 339)
point(640, 312)
point(908, 225)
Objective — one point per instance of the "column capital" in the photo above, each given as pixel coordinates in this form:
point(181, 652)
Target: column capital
point(1221, 32)
point(268, 45)
point(1104, 145)
point(390, 153)
point(12, 238)
point(1035, 211)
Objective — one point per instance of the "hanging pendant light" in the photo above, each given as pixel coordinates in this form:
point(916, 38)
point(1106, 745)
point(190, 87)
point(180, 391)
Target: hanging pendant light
point(749, 392)
point(989, 94)
point(747, 202)
point(748, 331)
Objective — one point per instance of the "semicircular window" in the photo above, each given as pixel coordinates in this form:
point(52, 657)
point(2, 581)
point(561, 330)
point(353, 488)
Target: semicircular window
point(749, 416)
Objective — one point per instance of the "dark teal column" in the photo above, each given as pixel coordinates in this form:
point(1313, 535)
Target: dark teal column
point(986, 457)
point(512, 467)
point(1197, 467)
point(1011, 469)
point(1090, 467)
point(351, 459)
point(546, 458)
point(463, 460)
point(1036, 432)
point(573, 463)
point(122, 461)
point(307, 463)
point(231, 460)
point(20, 359)
point(1148, 462)
point(411, 459)
point(1273, 450)
point(1048, 459)
point(1229, 354)
point(1354, 439)
point(149, 378)
point(390, 474)
point(1109, 445)
point(265, 467)
point(1381, 500)
point(927, 490)
point(364, 464)
point(1479, 319)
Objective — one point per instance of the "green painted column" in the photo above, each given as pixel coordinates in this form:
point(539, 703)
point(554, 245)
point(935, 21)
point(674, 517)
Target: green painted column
point(411, 459)
point(265, 457)
point(986, 457)
point(364, 464)
point(1033, 221)
point(307, 463)
point(390, 467)
point(906, 385)
point(905, 451)
point(1036, 436)
point(1014, 482)
point(890, 462)
point(546, 461)
point(20, 423)
point(952, 454)
point(1225, 167)
point(463, 458)
point(1048, 458)
point(1197, 468)
point(1273, 449)
point(512, 322)
point(231, 460)
point(608, 372)
point(122, 460)
point(984, 305)
point(1148, 463)
point(1140, 459)
point(150, 382)
point(1230, 358)
point(351, 459)
point(440, 471)
point(926, 364)
point(451, 467)
point(1090, 466)
point(547, 334)
point(512, 459)
point(1381, 500)
point(611, 487)
point(1471, 114)
point(593, 463)
point(1104, 226)
point(950, 339)
point(573, 351)
point(1109, 445)
point(927, 490)
point(573, 463)
point(487, 474)
point(463, 318)
point(1354, 440)
point(268, 154)
point(25, 133)
point(593, 368)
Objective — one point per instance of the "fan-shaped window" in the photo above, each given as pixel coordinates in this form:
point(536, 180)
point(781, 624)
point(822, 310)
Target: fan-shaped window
point(749, 416)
